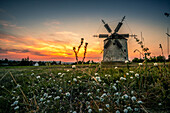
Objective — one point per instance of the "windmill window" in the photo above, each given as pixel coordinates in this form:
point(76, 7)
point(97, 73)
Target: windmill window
point(124, 50)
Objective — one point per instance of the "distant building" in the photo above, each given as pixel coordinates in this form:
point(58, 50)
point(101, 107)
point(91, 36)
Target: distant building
point(36, 64)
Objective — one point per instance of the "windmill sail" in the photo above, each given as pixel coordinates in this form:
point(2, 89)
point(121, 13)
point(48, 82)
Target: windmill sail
point(107, 44)
point(107, 27)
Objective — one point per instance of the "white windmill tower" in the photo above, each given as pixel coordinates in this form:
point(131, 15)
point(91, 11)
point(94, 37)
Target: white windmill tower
point(115, 45)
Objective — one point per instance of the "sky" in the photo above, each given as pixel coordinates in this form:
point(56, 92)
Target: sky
point(48, 30)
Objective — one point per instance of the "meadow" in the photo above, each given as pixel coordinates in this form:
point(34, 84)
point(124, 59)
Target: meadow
point(92, 89)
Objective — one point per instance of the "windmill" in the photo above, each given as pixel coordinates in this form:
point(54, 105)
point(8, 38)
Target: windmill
point(115, 44)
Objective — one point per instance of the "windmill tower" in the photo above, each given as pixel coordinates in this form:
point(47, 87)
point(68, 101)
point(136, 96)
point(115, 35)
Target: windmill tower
point(115, 45)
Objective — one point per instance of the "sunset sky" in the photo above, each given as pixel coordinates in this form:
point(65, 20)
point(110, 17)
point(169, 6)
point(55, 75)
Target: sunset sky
point(48, 30)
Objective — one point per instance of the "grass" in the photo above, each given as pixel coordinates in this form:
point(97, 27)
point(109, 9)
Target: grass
point(54, 89)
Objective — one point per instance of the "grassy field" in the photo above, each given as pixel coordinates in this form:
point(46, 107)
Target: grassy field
point(85, 88)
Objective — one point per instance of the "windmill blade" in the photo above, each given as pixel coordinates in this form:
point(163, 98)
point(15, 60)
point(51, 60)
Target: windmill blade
point(124, 35)
point(119, 25)
point(107, 27)
point(103, 35)
point(107, 44)
point(118, 43)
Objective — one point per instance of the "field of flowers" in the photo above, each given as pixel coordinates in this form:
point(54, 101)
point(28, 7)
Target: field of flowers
point(92, 90)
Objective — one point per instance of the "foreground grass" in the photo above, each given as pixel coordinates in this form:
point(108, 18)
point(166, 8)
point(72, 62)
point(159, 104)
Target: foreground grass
point(40, 89)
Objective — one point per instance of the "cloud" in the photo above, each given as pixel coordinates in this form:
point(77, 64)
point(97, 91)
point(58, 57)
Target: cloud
point(9, 25)
point(53, 22)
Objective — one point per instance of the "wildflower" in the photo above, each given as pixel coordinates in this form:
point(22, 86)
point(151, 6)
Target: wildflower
point(114, 88)
point(117, 111)
point(132, 92)
point(98, 79)
point(90, 110)
point(117, 81)
point(160, 104)
point(81, 93)
point(100, 109)
point(17, 107)
point(125, 110)
point(88, 94)
point(116, 67)
point(136, 109)
point(131, 77)
point(126, 61)
point(98, 90)
point(88, 107)
point(18, 86)
point(59, 73)
point(48, 101)
point(127, 73)
point(122, 78)
point(137, 75)
point(133, 98)
point(45, 94)
point(104, 94)
point(74, 112)
point(107, 105)
point(129, 108)
point(139, 102)
point(74, 79)
point(41, 99)
point(73, 66)
point(68, 70)
point(50, 96)
point(140, 64)
point(96, 74)
point(32, 74)
point(131, 71)
point(125, 96)
point(38, 77)
point(60, 90)
point(155, 64)
point(67, 94)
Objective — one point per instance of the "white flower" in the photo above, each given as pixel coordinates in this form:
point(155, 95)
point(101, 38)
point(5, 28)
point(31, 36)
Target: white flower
point(60, 90)
point(155, 64)
point(117, 111)
point(116, 67)
point(133, 98)
point(117, 81)
point(139, 102)
point(98, 79)
point(114, 87)
point(59, 73)
point(127, 73)
point(68, 70)
point(50, 96)
point(131, 71)
point(45, 94)
point(96, 74)
point(140, 64)
point(137, 75)
point(131, 77)
point(74, 79)
point(48, 101)
point(15, 103)
point(122, 78)
point(74, 112)
point(88, 94)
point(17, 107)
point(136, 109)
point(32, 74)
point(41, 99)
point(129, 108)
point(38, 77)
point(125, 110)
point(132, 92)
point(18, 86)
point(160, 104)
point(107, 105)
point(126, 61)
point(67, 94)
point(104, 94)
point(73, 66)
point(125, 96)
point(90, 110)
point(100, 109)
